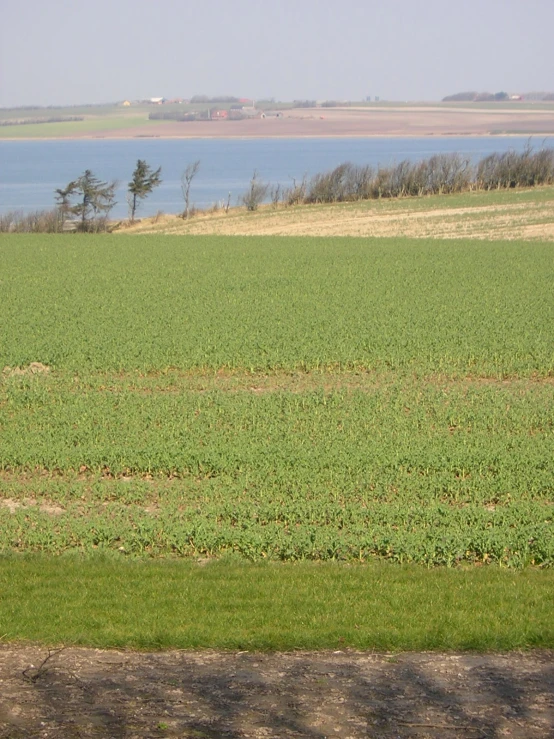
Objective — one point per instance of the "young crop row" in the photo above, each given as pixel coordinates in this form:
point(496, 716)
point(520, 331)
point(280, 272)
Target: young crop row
point(277, 303)
point(488, 442)
point(412, 471)
point(514, 535)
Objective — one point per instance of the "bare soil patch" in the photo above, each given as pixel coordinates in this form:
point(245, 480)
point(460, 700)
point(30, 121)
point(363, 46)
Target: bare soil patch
point(35, 368)
point(99, 693)
point(13, 505)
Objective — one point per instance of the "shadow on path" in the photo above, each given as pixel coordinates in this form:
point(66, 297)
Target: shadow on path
point(81, 693)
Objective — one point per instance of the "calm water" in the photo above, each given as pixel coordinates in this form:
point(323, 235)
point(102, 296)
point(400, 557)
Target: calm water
point(30, 171)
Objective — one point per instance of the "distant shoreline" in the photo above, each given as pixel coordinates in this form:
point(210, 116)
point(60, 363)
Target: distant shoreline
point(237, 137)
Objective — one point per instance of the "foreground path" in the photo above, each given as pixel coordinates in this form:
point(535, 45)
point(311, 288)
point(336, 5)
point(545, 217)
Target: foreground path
point(94, 693)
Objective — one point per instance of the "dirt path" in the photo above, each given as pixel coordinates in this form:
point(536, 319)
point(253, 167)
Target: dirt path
point(94, 693)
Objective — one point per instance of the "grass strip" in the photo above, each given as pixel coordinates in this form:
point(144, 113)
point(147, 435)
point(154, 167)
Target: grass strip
point(105, 602)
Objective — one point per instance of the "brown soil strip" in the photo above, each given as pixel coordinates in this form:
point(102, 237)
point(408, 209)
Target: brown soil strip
point(89, 693)
point(258, 383)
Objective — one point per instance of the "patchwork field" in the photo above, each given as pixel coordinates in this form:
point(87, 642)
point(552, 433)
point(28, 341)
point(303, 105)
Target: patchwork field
point(372, 119)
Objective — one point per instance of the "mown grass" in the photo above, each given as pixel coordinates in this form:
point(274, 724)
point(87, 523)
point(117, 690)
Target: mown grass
point(229, 605)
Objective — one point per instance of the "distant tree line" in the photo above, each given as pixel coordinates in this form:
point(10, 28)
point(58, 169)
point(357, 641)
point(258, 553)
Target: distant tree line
point(324, 104)
point(217, 99)
point(476, 97)
point(52, 119)
point(86, 202)
point(484, 97)
point(177, 115)
point(57, 107)
point(234, 113)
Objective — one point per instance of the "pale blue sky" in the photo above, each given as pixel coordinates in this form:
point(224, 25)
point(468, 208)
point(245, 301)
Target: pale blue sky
point(70, 51)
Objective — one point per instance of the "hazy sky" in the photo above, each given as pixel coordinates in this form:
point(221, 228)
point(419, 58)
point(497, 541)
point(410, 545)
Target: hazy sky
point(72, 51)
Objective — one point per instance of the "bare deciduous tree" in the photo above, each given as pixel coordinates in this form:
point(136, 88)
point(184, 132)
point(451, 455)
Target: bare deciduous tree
point(186, 181)
point(297, 193)
point(275, 194)
point(256, 193)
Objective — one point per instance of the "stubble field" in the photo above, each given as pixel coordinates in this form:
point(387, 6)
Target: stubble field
point(518, 214)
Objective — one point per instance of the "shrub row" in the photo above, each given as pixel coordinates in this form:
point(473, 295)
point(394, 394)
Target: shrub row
point(39, 221)
point(48, 221)
point(441, 174)
point(51, 119)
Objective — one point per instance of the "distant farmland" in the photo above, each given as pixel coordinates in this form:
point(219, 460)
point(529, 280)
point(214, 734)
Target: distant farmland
point(372, 119)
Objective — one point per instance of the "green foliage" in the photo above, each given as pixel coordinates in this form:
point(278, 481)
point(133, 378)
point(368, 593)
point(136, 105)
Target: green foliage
point(89, 199)
point(145, 179)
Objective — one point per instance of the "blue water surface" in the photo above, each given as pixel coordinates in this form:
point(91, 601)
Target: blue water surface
point(30, 171)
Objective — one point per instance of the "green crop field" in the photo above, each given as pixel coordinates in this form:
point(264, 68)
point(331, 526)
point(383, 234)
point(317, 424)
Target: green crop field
point(114, 303)
point(87, 127)
point(277, 399)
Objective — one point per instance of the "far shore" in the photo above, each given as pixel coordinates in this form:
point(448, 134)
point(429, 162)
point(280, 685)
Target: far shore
point(275, 136)
point(330, 123)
